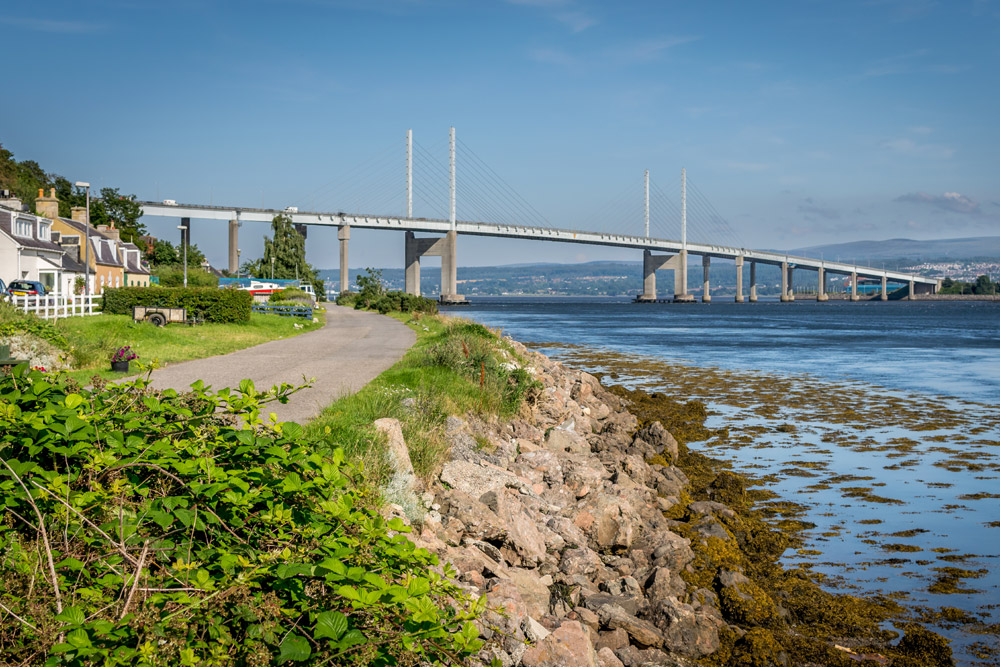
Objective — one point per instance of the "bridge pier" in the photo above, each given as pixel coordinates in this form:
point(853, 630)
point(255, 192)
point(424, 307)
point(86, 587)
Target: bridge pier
point(786, 279)
point(821, 294)
point(706, 295)
point(854, 286)
point(443, 247)
point(681, 279)
point(884, 296)
point(234, 246)
point(650, 264)
point(344, 236)
point(739, 278)
point(753, 282)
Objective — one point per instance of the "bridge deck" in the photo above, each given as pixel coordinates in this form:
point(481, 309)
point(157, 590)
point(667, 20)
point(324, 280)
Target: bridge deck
point(504, 230)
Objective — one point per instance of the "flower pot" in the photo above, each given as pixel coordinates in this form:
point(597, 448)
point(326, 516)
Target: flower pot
point(119, 366)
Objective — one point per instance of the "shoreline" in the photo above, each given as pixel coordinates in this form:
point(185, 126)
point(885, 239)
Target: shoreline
point(588, 518)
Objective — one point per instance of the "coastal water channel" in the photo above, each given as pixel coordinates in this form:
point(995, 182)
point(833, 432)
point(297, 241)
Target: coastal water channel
point(879, 423)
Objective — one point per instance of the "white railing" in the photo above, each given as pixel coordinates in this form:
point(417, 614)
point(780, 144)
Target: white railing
point(54, 306)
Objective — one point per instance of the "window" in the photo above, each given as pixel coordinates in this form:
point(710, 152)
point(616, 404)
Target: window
point(47, 278)
point(44, 230)
point(22, 227)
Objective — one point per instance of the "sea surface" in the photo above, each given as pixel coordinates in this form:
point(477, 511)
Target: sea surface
point(882, 420)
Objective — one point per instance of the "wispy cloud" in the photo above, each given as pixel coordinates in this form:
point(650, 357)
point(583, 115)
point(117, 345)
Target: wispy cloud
point(897, 64)
point(563, 11)
point(651, 49)
point(921, 129)
point(551, 57)
point(911, 148)
point(812, 210)
point(52, 26)
point(576, 21)
point(949, 201)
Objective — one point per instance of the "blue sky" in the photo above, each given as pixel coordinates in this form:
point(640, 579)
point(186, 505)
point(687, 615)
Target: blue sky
point(802, 122)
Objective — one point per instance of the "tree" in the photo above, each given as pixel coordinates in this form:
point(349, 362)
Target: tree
point(163, 254)
point(984, 285)
point(121, 210)
point(286, 252)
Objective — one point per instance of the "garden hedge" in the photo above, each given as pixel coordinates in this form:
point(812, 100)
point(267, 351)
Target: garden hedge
point(211, 303)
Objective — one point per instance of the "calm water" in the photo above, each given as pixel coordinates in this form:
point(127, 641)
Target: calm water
point(930, 355)
point(938, 348)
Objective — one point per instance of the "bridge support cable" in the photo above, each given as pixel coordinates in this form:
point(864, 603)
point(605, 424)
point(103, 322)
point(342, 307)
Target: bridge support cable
point(503, 190)
point(625, 206)
point(354, 185)
point(471, 199)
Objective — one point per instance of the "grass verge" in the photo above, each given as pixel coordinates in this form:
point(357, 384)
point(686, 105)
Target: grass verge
point(454, 368)
point(92, 340)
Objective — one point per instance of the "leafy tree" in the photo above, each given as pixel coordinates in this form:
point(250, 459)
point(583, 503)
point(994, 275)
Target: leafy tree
point(370, 285)
point(984, 285)
point(163, 254)
point(285, 251)
point(121, 210)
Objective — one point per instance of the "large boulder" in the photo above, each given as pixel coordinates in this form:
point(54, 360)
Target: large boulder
point(567, 646)
point(475, 479)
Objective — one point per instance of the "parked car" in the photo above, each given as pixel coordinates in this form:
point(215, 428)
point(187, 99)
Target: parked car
point(26, 287)
point(3, 291)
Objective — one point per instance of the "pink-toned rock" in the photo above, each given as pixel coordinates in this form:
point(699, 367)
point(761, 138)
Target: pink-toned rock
point(607, 658)
point(567, 646)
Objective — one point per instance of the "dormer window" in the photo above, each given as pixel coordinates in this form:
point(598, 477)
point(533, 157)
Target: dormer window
point(22, 227)
point(44, 230)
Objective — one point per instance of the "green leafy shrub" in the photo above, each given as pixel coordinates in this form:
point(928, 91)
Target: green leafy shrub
point(291, 294)
point(14, 321)
point(145, 528)
point(347, 299)
point(214, 305)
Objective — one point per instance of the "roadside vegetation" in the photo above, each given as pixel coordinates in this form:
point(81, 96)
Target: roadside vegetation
point(154, 528)
point(87, 343)
point(456, 367)
point(372, 295)
point(981, 285)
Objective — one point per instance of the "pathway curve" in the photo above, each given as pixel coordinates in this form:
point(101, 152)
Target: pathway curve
point(344, 355)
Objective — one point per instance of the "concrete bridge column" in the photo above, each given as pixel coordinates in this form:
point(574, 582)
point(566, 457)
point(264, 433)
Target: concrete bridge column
point(785, 273)
point(650, 263)
point(753, 282)
point(681, 278)
point(706, 295)
point(791, 286)
point(854, 286)
point(911, 291)
point(884, 296)
point(433, 247)
point(821, 294)
point(234, 246)
point(344, 235)
point(739, 278)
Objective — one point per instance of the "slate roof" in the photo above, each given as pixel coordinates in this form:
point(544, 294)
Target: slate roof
point(33, 242)
point(103, 251)
point(133, 265)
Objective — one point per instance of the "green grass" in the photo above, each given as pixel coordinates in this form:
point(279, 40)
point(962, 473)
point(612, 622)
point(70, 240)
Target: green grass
point(93, 339)
point(454, 368)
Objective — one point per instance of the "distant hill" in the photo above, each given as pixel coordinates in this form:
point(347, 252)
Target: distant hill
point(965, 248)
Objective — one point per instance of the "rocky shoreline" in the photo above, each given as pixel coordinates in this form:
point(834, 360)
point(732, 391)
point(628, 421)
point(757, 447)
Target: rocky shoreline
point(598, 539)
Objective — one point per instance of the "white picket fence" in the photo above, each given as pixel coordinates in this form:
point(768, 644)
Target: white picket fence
point(54, 306)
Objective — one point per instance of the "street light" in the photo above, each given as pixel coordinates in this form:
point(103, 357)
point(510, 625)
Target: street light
point(183, 229)
point(86, 246)
point(238, 253)
point(272, 267)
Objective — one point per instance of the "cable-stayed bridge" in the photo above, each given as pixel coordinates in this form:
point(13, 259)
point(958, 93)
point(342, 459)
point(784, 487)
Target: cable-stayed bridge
point(498, 211)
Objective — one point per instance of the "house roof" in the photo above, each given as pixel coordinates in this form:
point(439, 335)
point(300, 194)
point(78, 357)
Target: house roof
point(100, 244)
point(133, 259)
point(7, 227)
point(70, 264)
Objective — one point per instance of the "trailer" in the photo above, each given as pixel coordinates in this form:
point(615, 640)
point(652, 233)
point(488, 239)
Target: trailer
point(159, 316)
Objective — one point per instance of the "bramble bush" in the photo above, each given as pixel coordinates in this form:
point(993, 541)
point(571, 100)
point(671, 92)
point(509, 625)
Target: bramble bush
point(149, 528)
point(211, 303)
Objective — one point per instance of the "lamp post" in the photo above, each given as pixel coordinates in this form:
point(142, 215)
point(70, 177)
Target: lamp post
point(272, 267)
point(86, 246)
point(238, 253)
point(183, 229)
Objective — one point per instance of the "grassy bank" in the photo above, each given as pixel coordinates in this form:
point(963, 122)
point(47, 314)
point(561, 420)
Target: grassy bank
point(93, 339)
point(455, 367)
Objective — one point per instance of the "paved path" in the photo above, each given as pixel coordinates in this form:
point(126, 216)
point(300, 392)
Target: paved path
point(346, 354)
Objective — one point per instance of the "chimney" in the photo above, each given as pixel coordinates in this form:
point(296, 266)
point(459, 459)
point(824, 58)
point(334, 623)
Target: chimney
point(80, 214)
point(47, 207)
point(110, 232)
